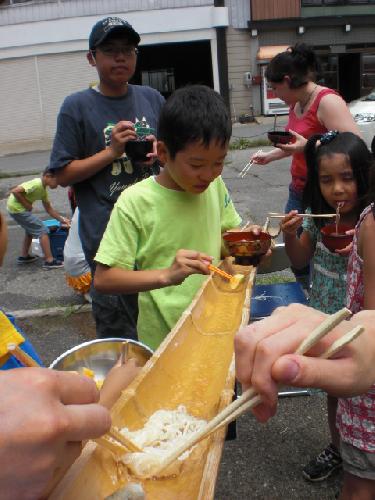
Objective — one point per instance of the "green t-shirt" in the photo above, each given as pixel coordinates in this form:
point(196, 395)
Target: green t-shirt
point(34, 190)
point(148, 224)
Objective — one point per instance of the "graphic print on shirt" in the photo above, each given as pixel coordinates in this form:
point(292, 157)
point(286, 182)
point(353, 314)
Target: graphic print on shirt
point(120, 163)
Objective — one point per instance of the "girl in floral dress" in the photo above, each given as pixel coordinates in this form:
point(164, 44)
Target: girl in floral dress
point(356, 416)
point(338, 170)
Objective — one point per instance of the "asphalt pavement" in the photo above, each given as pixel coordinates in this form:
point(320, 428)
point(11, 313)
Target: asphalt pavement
point(265, 461)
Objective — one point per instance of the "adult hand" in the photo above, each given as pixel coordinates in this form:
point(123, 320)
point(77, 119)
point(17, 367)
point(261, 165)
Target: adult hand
point(122, 132)
point(45, 415)
point(261, 158)
point(296, 146)
point(187, 262)
point(291, 223)
point(264, 356)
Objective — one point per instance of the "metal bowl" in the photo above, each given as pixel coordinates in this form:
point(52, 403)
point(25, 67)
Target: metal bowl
point(100, 355)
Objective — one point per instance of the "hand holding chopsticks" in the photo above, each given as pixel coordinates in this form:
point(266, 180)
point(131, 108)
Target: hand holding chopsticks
point(248, 165)
point(250, 398)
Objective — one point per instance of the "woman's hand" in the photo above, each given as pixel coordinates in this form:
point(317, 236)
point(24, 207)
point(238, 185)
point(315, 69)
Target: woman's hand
point(291, 223)
point(297, 146)
point(261, 158)
point(187, 262)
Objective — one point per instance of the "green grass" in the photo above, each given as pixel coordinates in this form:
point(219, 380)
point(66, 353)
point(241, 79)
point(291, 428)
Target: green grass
point(242, 143)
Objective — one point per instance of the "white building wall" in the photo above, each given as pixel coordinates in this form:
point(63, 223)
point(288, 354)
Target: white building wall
point(44, 61)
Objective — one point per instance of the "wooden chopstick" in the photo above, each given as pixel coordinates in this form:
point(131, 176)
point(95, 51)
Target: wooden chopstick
point(124, 441)
point(220, 271)
point(22, 356)
point(249, 398)
point(114, 447)
point(274, 215)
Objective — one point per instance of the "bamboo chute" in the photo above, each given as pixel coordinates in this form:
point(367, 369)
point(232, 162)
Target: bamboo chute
point(193, 367)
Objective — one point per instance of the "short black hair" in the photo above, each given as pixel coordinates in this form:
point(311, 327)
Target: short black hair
point(298, 62)
point(359, 158)
point(194, 114)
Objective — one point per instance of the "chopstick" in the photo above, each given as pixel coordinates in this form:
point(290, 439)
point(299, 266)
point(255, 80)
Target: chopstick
point(248, 165)
point(124, 441)
point(249, 398)
point(274, 215)
point(22, 356)
point(219, 271)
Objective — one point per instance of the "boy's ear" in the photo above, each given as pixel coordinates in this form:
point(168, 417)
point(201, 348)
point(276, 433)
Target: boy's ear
point(162, 152)
point(91, 58)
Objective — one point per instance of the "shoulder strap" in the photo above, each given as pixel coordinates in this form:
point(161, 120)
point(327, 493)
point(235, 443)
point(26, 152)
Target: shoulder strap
point(315, 105)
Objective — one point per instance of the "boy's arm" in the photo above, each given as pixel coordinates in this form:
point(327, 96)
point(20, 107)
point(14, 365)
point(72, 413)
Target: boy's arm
point(118, 280)
point(80, 170)
point(367, 237)
point(53, 213)
point(18, 193)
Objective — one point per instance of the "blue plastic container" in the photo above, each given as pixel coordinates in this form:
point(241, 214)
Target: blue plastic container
point(57, 240)
point(266, 298)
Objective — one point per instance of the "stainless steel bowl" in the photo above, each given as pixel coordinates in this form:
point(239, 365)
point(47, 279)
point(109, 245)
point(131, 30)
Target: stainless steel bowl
point(99, 356)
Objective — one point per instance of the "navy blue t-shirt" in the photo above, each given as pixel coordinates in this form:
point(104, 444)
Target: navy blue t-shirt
point(84, 127)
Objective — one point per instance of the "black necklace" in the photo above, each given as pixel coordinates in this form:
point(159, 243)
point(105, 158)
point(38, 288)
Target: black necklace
point(303, 106)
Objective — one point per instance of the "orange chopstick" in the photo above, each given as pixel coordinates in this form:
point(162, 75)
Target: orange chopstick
point(220, 271)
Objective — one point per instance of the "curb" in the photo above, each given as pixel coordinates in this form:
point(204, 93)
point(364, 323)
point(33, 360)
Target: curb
point(51, 311)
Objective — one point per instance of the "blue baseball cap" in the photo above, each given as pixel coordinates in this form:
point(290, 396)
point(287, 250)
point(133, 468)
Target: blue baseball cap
point(105, 27)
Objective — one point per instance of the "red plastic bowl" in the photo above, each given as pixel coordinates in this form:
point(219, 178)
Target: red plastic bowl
point(280, 136)
point(334, 241)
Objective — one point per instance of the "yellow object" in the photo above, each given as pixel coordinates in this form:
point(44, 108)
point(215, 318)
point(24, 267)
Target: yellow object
point(236, 280)
point(87, 372)
point(8, 335)
point(80, 284)
point(193, 367)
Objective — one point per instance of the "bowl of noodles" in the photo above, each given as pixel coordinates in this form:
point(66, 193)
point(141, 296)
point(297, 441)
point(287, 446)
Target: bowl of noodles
point(246, 247)
point(336, 238)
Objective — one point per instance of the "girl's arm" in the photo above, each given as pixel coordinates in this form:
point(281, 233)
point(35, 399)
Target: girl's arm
point(53, 213)
point(117, 280)
point(334, 114)
point(366, 248)
point(18, 193)
point(300, 250)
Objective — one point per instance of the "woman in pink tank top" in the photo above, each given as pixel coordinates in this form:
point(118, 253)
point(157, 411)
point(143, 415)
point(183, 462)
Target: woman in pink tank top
point(313, 109)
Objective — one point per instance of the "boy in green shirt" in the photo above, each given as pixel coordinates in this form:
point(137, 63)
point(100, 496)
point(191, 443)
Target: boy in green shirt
point(20, 205)
point(169, 227)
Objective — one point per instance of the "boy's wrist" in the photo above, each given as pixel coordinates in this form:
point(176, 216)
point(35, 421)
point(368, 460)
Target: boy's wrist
point(164, 278)
point(112, 153)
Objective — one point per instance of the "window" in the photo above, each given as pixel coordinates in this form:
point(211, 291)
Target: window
point(160, 79)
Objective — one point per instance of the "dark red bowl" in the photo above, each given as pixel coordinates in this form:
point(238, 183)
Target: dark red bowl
point(246, 243)
point(334, 241)
point(280, 136)
point(137, 150)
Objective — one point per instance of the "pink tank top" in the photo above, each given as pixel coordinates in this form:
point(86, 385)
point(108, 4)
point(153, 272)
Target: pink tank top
point(307, 126)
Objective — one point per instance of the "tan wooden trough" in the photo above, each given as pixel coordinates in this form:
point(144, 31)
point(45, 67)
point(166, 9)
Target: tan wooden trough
point(192, 367)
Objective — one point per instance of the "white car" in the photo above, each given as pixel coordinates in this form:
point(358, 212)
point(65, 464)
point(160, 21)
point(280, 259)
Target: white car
point(363, 109)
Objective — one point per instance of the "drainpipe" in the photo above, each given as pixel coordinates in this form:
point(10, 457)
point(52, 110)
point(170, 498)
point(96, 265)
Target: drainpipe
point(222, 58)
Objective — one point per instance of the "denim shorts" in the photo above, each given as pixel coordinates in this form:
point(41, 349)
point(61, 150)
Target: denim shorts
point(357, 462)
point(30, 223)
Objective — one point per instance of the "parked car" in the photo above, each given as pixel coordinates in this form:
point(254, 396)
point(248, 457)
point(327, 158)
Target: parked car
point(363, 109)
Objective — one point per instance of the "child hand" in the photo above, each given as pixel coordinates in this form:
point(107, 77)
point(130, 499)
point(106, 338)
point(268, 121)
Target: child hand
point(187, 262)
point(122, 132)
point(117, 379)
point(152, 156)
point(65, 221)
point(346, 251)
point(291, 223)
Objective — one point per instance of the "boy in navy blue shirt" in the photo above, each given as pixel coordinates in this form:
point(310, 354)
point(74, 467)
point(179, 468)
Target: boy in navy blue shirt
point(93, 128)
